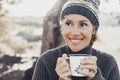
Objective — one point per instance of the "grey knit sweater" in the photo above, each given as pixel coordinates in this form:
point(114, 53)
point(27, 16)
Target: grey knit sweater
point(45, 67)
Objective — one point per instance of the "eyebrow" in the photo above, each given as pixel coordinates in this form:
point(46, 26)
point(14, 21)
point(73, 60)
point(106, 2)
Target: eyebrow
point(83, 20)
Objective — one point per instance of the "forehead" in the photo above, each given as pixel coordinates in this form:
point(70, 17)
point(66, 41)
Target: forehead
point(75, 17)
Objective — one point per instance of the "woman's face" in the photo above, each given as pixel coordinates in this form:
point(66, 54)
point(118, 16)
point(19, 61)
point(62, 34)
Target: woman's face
point(77, 31)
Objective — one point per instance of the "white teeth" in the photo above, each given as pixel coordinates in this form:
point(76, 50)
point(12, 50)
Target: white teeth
point(75, 41)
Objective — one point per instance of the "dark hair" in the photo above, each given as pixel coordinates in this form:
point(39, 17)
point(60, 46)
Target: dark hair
point(94, 38)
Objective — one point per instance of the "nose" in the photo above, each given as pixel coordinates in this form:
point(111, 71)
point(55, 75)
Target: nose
point(75, 31)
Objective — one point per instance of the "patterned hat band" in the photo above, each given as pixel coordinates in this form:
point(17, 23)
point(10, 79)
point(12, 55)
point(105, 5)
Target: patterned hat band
point(83, 9)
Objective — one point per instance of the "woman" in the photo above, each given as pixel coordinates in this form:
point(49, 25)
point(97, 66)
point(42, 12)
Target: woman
point(79, 25)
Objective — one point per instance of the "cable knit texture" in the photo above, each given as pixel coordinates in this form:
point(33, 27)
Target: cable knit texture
point(45, 67)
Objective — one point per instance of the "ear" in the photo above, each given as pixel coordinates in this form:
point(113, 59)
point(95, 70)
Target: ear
point(94, 32)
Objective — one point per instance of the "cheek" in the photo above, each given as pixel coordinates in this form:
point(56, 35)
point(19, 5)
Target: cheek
point(64, 32)
point(89, 34)
point(89, 37)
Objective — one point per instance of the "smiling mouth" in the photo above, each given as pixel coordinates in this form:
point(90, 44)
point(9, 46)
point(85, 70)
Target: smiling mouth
point(75, 41)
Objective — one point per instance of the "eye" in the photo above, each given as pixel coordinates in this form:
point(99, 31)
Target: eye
point(83, 25)
point(68, 23)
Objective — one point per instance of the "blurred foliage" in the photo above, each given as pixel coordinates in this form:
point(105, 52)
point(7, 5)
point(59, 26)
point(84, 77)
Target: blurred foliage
point(3, 11)
point(9, 44)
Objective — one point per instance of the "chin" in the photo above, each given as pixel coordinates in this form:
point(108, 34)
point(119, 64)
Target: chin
point(75, 49)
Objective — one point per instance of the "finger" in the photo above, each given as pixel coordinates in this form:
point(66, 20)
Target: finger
point(92, 70)
point(89, 67)
point(59, 60)
point(67, 78)
point(65, 56)
point(58, 64)
point(65, 75)
point(90, 74)
point(64, 63)
point(88, 61)
point(62, 67)
point(63, 70)
point(91, 57)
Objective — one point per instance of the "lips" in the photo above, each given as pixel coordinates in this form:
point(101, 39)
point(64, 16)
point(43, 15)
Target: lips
point(75, 40)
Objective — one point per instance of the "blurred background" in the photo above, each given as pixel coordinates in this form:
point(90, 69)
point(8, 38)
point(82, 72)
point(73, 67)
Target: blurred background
point(23, 24)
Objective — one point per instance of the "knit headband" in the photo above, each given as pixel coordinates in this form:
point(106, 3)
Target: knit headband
point(87, 8)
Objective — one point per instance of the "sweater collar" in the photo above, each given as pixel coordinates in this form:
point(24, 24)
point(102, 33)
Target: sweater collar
point(86, 50)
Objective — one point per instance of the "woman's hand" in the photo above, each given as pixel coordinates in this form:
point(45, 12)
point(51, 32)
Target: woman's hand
point(89, 63)
point(63, 68)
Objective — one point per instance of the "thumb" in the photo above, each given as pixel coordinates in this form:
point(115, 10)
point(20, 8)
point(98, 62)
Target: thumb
point(65, 56)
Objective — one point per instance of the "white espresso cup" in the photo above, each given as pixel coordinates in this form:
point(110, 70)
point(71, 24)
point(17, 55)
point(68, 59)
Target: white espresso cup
point(75, 62)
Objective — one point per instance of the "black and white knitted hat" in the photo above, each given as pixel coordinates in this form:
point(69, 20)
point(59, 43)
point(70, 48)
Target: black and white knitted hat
point(87, 8)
